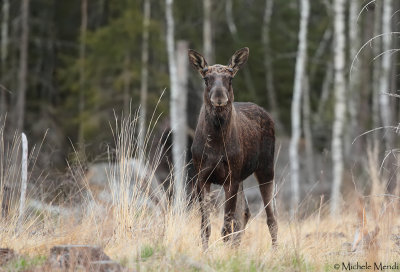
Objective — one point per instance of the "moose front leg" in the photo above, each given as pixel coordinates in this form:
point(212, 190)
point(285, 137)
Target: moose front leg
point(204, 199)
point(231, 224)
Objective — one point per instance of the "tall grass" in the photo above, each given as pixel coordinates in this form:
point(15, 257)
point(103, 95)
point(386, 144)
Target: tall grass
point(140, 229)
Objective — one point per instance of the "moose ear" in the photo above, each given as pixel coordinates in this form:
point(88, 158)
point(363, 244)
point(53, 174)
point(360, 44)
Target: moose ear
point(198, 62)
point(238, 60)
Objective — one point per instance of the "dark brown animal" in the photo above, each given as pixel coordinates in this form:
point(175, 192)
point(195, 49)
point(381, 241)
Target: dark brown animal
point(232, 141)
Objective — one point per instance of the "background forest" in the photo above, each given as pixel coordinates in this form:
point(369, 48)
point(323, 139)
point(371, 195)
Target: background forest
point(326, 70)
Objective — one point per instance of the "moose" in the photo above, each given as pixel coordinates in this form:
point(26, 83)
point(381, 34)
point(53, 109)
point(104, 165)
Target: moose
point(232, 141)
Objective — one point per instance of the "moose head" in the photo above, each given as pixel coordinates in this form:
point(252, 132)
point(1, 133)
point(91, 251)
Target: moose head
point(218, 78)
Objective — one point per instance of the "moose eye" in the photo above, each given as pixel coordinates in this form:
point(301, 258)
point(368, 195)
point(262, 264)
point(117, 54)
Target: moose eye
point(230, 80)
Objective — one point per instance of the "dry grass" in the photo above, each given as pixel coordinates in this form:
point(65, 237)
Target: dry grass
point(150, 237)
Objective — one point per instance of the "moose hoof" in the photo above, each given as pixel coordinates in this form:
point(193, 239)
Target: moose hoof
point(230, 231)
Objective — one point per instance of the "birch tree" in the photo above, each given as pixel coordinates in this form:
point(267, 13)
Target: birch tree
point(144, 74)
point(23, 66)
point(296, 103)
point(384, 82)
point(177, 110)
point(4, 52)
point(82, 52)
point(340, 103)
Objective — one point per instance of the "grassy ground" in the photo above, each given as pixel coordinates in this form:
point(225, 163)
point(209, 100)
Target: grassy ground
point(173, 244)
point(147, 237)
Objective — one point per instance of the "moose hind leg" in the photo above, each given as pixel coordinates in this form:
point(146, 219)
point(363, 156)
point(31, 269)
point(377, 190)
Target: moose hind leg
point(204, 199)
point(266, 184)
point(231, 224)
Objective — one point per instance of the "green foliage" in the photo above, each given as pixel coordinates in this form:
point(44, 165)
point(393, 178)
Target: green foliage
point(146, 252)
point(25, 263)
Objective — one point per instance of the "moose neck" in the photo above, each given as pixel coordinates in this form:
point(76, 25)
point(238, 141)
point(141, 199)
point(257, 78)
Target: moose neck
point(218, 118)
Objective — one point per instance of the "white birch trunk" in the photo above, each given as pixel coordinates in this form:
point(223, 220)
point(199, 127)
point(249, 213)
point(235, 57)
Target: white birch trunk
point(296, 103)
point(340, 103)
point(384, 82)
point(207, 32)
point(4, 52)
point(24, 180)
point(177, 110)
point(23, 66)
point(144, 75)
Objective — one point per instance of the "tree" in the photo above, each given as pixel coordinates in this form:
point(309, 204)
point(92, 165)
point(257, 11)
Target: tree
point(309, 145)
point(384, 81)
point(269, 75)
point(23, 67)
point(296, 103)
point(376, 73)
point(340, 103)
point(4, 53)
point(354, 78)
point(207, 31)
point(177, 108)
point(82, 53)
point(144, 73)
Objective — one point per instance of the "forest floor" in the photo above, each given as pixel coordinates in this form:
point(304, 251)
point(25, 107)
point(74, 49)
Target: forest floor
point(152, 242)
point(143, 235)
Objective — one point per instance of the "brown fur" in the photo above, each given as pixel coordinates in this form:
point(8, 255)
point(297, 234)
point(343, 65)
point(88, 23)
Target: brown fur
point(232, 141)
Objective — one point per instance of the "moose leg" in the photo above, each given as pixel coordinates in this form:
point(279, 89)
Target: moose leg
point(242, 212)
point(231, 223)
point(266, 184)
point(204, 199)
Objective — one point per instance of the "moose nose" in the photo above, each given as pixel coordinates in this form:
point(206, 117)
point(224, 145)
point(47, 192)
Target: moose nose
point(220, 102)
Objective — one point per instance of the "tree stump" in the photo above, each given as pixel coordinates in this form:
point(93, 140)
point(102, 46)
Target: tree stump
point(74, 257)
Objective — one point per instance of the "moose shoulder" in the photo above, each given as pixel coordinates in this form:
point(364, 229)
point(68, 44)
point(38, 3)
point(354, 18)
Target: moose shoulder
point(232, 141)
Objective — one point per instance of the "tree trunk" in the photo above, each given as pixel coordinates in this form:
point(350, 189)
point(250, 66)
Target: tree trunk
point(353, 81)
point(384, 82)
point(177, 105)
point(23, 66)
point(296, 103)
point(4, 53)
point(340, 103)
point(207, 32)
point(377, 49)
point(82, 52)
point(233, 30)
point(309, 145)
point(127, 82)
point(269, 73)
point(326, 87)
point(145, 74)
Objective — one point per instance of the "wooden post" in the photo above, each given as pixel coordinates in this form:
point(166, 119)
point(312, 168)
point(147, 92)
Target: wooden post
point(24, 178)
